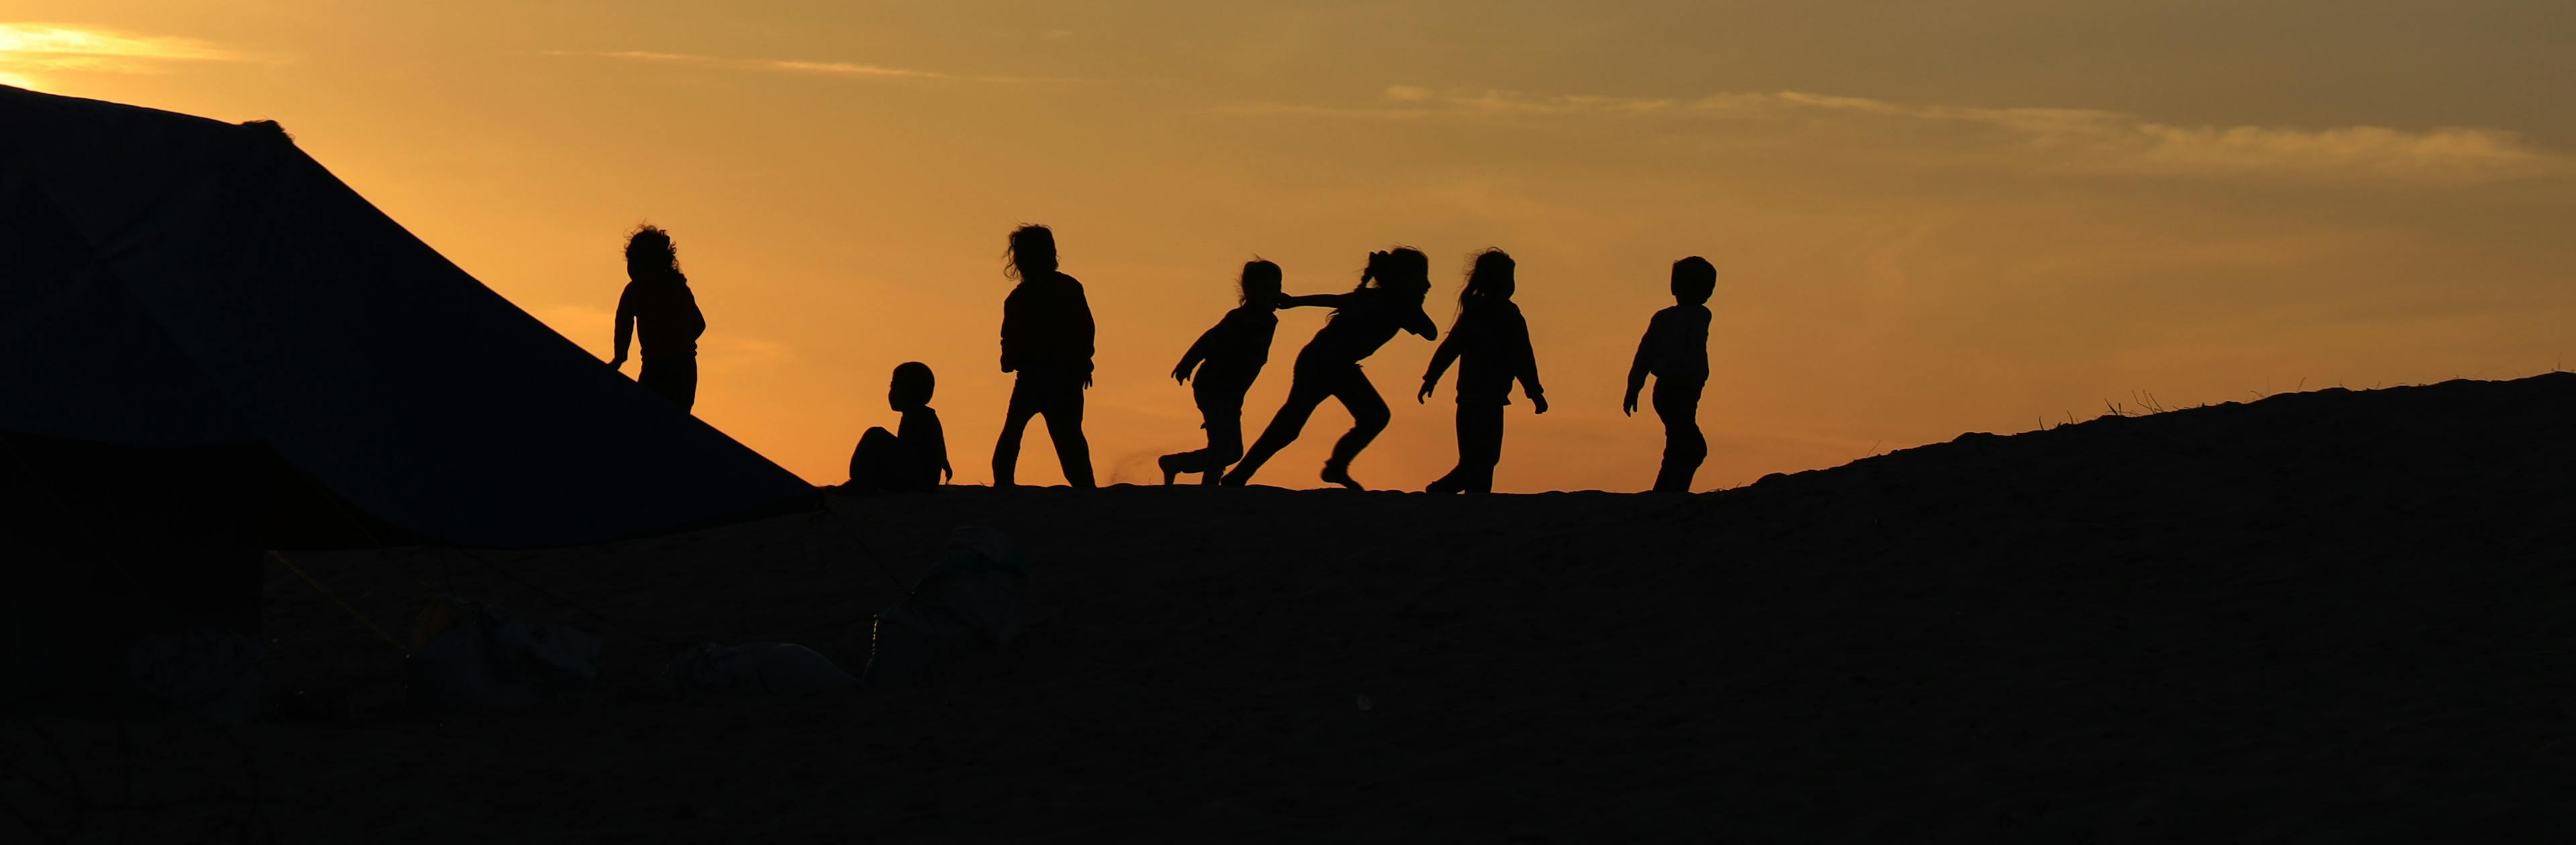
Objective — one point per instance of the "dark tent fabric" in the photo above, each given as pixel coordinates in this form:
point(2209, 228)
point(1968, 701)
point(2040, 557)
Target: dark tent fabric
point(173, 281)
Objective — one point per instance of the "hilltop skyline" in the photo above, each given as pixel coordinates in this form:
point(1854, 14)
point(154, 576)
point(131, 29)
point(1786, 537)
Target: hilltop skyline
point(1912, 240)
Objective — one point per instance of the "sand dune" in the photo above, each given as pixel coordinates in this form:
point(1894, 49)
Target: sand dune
point(2330, 615)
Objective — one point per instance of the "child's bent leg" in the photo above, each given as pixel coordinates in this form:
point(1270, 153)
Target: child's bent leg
point(1303, 395)
point(1368, 417)
point(1225, 444)
point(872, 464)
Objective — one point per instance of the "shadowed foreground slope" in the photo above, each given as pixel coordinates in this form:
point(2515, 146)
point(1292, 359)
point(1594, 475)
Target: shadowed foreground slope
point(2328, 614)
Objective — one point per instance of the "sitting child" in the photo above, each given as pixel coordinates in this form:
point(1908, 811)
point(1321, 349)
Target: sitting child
point(916, 458)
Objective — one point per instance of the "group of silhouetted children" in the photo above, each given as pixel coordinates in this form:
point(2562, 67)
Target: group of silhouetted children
point(1047, 340)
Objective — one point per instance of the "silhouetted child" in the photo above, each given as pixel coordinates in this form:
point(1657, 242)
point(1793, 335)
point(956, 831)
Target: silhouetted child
point(1046, 338)
point(1388, 299)
point(1493, 342)
point(913, 458)
point(657, 304)
point(1227, 358)
point(1675, 352)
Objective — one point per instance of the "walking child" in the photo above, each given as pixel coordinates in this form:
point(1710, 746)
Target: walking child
point(1225, 360)
point(1491, 344)
point(1675, 352)
point(1047, 339)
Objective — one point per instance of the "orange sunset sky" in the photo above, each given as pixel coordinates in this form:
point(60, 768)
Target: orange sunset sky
point(1926, 218)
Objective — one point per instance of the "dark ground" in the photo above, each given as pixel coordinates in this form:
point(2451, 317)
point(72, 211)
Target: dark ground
point(2330, 616)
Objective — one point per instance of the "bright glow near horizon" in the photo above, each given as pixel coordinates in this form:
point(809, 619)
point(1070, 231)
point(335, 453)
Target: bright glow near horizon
point(1925, 221)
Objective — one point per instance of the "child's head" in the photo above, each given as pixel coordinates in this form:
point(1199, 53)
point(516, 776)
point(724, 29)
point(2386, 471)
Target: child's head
point(1402, 270)
point(1259, 283)
point(1032, 252)
point(1489, 278)
point(911, 388)
point(1693, 280)
point(650, 253)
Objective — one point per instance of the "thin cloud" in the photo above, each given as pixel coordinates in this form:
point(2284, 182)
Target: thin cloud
point(842, 69)
point(638, 55)
point(848, 69)
point(1409, 93)
point(2067, 140)
point(28, 49)
point(2105, 141)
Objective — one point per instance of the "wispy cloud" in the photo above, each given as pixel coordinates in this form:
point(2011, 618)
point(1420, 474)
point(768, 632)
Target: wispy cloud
point(2117, 142)
point(1409, 93)
point(2070, 140)
point(845, 69)
point(1405, 102)
point(27, 49)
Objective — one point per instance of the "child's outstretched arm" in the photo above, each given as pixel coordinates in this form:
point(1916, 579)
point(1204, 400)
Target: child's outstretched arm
point(1013, 327)
point(939, 445)
point(1637, 371)
point(1440, 360)
point(1313, 300)
point(625, 328)
point(1527, 366)
point(1085, 330)
point(1198, 352)
point(1420, 323)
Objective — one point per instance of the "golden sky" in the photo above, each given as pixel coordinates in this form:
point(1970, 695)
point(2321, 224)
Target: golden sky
point(1982, 216)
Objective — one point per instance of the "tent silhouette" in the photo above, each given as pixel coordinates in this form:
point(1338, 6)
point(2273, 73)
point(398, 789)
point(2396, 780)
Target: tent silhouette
point(192, 309)
point(177, 281)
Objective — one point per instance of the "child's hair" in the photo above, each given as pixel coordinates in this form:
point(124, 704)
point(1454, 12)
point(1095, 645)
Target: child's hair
point(912, 384)
point(1489, 277)
point(649, 246)
point(1257, 275)
point(1032, 250)
point(1694, 279)
point(1402, 269)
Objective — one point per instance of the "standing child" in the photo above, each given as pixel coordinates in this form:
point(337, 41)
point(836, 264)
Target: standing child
point(1675, 352)
point(1227, 358)
point(1388, 300)
point(914, 458)
point(1046, 338)
point(1494, 342)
